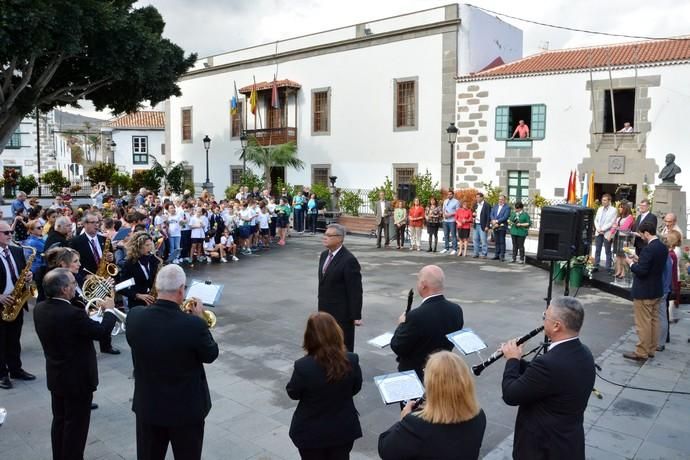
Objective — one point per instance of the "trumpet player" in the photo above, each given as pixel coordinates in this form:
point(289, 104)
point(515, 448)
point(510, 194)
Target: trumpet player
point(141, 265)
point(11, 268)
point(169, 349)
point(66, 334)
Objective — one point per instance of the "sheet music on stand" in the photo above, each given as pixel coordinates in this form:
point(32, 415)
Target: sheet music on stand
point(466, 341)
point(381, 341)
point(207, 292)
point(399, 386)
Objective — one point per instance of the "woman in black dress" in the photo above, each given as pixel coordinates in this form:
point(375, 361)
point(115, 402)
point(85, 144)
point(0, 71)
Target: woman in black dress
point(142, 266)
point(450, 424)
point(325, 423)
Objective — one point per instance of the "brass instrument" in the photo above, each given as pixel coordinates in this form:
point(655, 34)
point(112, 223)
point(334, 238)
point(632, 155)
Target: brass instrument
point(106, 268)
point(95, 290)
point(209, 316)
point(96, 312)
point(22, 290)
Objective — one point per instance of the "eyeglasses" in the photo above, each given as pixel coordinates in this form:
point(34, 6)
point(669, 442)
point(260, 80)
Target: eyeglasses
point(545, 318)
point(333, 235)
point(7, 232)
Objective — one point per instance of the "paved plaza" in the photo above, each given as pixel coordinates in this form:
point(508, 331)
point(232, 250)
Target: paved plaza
point(261, 319)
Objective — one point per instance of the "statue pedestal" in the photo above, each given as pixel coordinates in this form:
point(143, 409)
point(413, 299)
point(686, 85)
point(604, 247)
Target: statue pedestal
point(669, 198)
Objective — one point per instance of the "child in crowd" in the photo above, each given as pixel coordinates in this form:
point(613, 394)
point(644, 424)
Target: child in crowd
point(213, 250)
point(197, 226)
point(264, 218)
point(228, 243)
point(283, 212)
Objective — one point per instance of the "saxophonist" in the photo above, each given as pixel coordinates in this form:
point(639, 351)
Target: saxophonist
point(142, 265)
point(90, 247)
point(13, 264)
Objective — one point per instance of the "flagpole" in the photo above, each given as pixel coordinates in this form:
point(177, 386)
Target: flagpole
point(261, 124)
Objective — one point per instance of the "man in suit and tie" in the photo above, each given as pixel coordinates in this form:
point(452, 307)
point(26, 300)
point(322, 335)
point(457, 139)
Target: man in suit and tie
point(647, 291)
point(66, 334)
point(645, 215)
point(423, 330)
point(382, 213)
point(340, 283)
point(481, 214)
point(500, 214)
point(169, 349)
point(603, 221)
point(12, 262)
point(553, 389)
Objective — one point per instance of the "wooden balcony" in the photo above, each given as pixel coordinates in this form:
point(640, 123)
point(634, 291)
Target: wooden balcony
point(274, 136)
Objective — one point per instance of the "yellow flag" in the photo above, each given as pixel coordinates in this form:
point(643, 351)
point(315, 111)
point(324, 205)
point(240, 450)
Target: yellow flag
point(252, 100)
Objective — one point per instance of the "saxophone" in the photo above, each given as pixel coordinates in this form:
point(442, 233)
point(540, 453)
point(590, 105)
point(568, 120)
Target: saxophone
point(22, 290)
point(106, 269)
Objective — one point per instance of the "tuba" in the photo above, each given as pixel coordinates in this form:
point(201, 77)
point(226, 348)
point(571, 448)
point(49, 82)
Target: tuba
point(105, 268)
point(22, 290)
point(209, 316)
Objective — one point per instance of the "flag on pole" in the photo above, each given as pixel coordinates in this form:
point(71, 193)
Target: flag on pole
point(252, 99)
point(275, 103)
point(571, 187)
point(590, 201)
point(233, 105)
point(585, 191)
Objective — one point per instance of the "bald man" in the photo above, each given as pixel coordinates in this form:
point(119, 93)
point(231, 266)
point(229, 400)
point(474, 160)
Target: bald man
point(423, 330)
point(670, 224)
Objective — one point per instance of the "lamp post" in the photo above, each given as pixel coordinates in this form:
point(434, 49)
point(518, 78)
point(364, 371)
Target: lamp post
point(243, 141)
point(207, 145)
point(112, 151)
point(452, 131)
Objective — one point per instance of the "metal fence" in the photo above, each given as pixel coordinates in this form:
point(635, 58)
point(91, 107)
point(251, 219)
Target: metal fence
point(83, 190)
point(365, 206)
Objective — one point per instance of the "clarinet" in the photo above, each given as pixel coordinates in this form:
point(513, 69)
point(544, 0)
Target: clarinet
point(410, 296)
point(498, 354)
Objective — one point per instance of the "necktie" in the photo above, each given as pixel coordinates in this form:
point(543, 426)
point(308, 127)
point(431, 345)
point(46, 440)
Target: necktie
point(13, 270)
point(96, 257)
point(328, 262)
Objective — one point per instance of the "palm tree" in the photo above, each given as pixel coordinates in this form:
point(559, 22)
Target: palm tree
point(267, 157)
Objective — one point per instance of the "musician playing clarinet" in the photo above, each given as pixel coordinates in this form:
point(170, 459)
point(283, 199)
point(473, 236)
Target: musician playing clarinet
point(553, 389)
point(423, 330)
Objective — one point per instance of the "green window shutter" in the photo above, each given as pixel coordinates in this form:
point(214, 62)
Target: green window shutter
point(538, 128)
point(502, 123)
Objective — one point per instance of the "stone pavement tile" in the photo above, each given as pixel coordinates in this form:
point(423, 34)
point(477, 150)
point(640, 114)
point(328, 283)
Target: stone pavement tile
point(664, 374)
point(673, 438)
point(250, 426)
point(278, 443)
point(608, 391)
point(285, 416)
point(612, 442)
point(594, 453)
point(380, 419)
point(225, 409)
point(24, 452)
point(593, 413)
point(494, 434)
point(648, 397)
point(653, 451)
point(629, 417)
point(220, 444)
point(10, 439)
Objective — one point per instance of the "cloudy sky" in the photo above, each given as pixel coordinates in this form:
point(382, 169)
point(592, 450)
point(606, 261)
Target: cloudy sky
point(210, 27)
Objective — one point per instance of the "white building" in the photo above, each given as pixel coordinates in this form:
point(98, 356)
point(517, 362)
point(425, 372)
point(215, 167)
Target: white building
point(362, 102)
point(138, 138)
point(573, 101)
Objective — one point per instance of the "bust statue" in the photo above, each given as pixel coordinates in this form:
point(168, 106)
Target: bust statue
point(668, 173)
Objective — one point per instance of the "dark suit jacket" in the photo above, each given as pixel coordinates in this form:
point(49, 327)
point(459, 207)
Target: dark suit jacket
point(81, 244)
point(386, 214)
point(19, 261)
point(639, 242)
point(424, 332)
point(649, 271)
point(169, 348)
point(503, 216)
point(326, 415)
point(340, 288)
point(142, 284)
point(413, 437)
point(67, 336)
point(552, 392)
point(55, 240)
point(485, 216)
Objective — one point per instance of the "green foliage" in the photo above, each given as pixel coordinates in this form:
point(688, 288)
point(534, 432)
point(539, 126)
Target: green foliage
point(425, 187)
point(56, 181)
point(266, 157)
point(386, 188)
point(27, 183)
point(280, 185)
point(189, 186)
point(106, 51)
point(539, 201)
point(175, 178)
point(101, 172)
point(322, 192)
point(122, 182)
point(149, 179)
point(231, 191)
point(492, 193)
point(350, 202)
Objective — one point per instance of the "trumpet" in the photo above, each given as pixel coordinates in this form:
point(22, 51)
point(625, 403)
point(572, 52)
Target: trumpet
point(209, 316)
point(95, 311)
point(498, 354)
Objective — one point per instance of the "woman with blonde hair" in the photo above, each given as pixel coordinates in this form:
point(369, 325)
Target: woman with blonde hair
point(141, 265)
point(325, 423)
point(450, 424)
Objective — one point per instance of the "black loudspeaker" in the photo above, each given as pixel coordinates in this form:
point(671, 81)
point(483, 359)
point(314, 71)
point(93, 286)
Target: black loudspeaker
point(565, 231)
point(406, 192)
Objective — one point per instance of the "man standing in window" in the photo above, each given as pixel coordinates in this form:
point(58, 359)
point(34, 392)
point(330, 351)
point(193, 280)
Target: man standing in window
point(450, 206)
point(603, 221)
point(521, 130)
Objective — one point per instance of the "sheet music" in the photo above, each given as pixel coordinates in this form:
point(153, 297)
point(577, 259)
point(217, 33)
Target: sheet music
point(399, 386)
point(124, 284)
point(467, 341)
point(207, 293)
point(382, 340)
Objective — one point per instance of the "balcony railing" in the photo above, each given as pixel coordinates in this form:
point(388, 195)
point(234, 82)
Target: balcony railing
point(274, 136)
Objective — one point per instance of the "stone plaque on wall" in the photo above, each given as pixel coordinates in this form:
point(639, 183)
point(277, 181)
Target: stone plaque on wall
point(616, 164)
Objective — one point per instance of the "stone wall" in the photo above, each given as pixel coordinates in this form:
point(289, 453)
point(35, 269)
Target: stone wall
point(472, 119)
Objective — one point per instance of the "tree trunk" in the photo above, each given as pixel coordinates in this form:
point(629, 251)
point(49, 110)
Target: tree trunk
point(267, 178)
point(8, 126)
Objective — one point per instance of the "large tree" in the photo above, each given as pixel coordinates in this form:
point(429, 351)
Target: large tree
point(267, 157)
point(57, 52)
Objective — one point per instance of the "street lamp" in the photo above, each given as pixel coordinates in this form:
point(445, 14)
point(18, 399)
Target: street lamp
point(452, 131)
point(207, 145)
point(243, 141)
point(112, 150)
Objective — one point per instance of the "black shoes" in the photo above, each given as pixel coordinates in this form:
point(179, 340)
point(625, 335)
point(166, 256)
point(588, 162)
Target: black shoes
point(6, 383)
point(111, 351)
point(94, 406)
point(21, 374)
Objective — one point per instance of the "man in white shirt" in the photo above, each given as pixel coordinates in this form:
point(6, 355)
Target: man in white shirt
point(450, 235)
point(603, 221)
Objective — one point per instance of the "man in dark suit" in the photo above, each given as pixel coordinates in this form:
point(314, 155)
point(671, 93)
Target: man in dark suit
point(12, 262)
point(383, 210)
point(500, 214)
point(66, 334)
point(59, 234)
point(169, 349)
point(423, 330)
point(647, 291)
point(645, 215)
point(340, 283)
point(553, 389)
point(481, 214)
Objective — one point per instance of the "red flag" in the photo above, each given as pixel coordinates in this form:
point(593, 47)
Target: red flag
point(275, 103)
point(571, 187)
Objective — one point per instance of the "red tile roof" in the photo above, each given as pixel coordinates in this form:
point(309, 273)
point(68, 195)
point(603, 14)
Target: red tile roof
point(651, 52)
point(144, 120)
point(266, 85)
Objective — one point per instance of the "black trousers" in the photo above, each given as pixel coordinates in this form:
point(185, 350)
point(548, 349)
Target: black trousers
point(500, 240)
point(10, 346)
point(153, 440)
point(518, 246)
point(432, 230)
point(348, 335)
point(327, 453)
point(383, 227)
point(400, 235)
point(70, 428)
